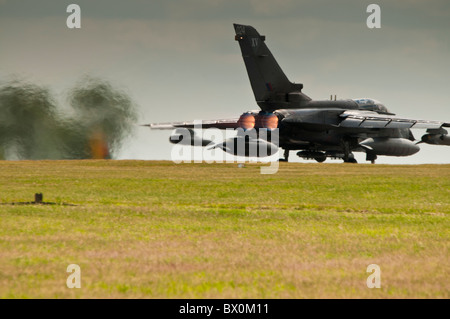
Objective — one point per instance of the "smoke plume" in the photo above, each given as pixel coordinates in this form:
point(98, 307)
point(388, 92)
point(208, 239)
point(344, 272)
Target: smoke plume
point(32, 126)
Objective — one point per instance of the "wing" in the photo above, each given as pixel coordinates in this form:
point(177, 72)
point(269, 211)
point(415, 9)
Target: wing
point(368, 119)
point(220, 124)
point(348, 119)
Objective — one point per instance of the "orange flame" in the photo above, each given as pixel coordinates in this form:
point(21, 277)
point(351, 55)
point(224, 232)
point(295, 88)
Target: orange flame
point(98, 145)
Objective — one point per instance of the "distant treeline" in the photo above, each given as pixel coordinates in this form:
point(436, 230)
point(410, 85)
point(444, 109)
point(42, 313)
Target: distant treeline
point(32, 126)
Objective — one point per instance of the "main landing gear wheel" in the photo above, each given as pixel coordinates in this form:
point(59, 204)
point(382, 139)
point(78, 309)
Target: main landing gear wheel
point(348, 155)
point(351, 160)
point(371, 157)
point(320, 159)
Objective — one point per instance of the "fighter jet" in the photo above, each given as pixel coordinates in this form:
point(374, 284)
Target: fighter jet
point(317, 129)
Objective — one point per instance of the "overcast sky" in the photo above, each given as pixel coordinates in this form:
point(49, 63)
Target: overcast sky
point(178, 59)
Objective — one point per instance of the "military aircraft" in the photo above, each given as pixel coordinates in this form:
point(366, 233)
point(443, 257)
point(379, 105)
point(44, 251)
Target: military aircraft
point(318, 129)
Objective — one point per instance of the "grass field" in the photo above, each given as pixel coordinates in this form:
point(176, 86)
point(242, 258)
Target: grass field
point(161, 230)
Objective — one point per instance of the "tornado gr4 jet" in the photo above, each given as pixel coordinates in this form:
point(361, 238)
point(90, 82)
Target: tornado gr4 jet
point(317, 129)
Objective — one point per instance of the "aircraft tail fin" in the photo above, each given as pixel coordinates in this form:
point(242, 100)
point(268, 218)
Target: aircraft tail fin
point(271, 87)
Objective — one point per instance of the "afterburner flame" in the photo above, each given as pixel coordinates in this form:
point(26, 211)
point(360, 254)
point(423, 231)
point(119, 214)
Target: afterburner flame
point(269, 120)
point(247, 121)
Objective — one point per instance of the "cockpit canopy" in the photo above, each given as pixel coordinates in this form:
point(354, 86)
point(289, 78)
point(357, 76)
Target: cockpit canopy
point(371, 105)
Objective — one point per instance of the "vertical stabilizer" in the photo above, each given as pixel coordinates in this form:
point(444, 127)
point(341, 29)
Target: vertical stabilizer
point(270, 85)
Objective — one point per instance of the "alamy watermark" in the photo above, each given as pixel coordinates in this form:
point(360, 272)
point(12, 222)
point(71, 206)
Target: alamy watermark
point(374, 19)
point(374, 280)
point(74, 279)
point(74, 19)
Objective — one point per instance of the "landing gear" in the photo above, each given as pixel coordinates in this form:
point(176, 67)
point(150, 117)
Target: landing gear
point(320, 159)
point(348, 155)
point(346, 147)
point(350, 159)
point(370, 156)
point(286, 156)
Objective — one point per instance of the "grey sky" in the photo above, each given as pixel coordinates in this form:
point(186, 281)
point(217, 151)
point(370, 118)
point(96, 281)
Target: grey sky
point(178, 59)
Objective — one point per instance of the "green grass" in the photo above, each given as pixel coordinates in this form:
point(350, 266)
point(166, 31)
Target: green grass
point(161, 230)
